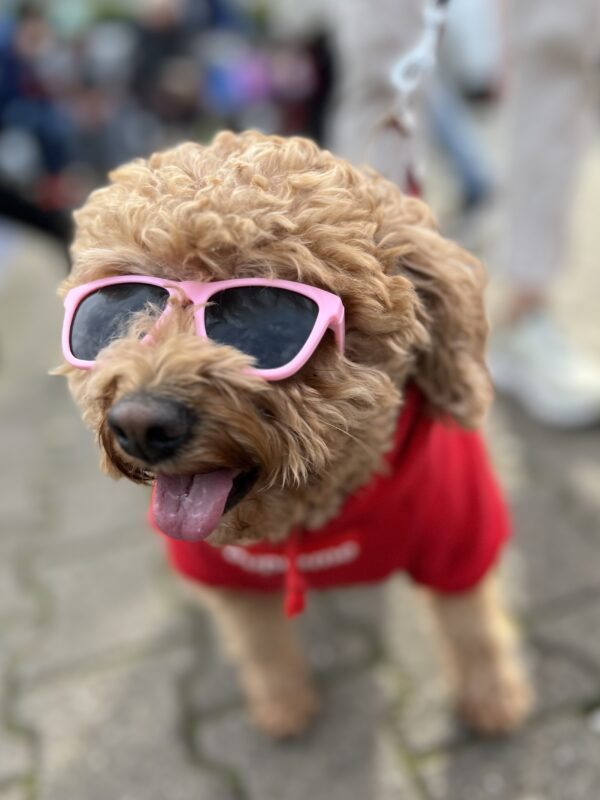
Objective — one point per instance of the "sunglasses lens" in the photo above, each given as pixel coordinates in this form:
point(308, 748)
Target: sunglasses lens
point(268, 323)
point(106, 314)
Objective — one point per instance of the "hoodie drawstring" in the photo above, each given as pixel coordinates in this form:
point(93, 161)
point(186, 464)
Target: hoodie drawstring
point(295, 582)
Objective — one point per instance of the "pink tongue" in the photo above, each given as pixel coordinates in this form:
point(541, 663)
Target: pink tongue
point(190, 506)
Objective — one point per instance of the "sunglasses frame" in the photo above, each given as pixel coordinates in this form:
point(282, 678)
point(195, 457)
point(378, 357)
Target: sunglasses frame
point(330, 313)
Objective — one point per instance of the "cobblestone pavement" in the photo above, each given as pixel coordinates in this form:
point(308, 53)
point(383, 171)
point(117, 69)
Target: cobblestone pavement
point(112, 689)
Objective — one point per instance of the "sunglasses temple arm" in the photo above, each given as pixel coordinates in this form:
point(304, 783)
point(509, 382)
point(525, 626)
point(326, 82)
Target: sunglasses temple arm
point(339, 330)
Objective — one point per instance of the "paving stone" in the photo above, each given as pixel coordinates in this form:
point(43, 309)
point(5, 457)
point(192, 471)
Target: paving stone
point(96, 509)
point(211, 682)
point(584, 483)
point(556, 760)
point(559, 556)
point(16, 635)
point(15, 752)
point(331, 647)
point(31, 284)
point(427, 722)
point(15, 599)
point(117, 734)
point(55, 437)
point(62, 507)
point(575, 631)
point(514, 581)
point(87, 504)
point(13, 793)
point(507, 450)
point(391, 777)
point(18, 595)
point(15, 757)
point(422, 708)
point(334, 642)
point(360, 605)
point(340, 758)
point(593, 721)
point(555, 507)
point(111, 601)
point(22, 506)
point(410, 639)
point(560, 679)
point(558, 458)
point(424, 713)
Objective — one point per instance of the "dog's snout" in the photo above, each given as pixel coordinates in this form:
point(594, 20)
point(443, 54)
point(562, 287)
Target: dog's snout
point(150, 427)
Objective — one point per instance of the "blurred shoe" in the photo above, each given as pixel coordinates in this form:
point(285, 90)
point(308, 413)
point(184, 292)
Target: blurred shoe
point(537, 365)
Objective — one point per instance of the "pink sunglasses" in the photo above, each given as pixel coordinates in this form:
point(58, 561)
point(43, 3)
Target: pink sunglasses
point(278, 323)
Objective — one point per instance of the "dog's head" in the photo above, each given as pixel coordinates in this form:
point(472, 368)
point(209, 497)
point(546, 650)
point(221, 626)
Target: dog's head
point(260, 456)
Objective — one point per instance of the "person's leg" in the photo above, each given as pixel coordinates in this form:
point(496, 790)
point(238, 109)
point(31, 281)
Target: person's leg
point(550, 111)
point(450, 121)
point(554, 68)
point(368, 39)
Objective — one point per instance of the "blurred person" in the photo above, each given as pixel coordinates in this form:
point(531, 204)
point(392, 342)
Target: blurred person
point(22, 35)
point(470, 69)
point(554, 68)
point(35, 134)
point(449, 117)
point(27, 46)
point(162, 36)
point(17, 208)
point(253, 76)
point(111, 128)
point(369, 38)
point(109, 52)
point(472, 48)
point(301, 82)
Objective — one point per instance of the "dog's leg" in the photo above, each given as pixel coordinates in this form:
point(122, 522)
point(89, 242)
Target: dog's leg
point(273, 671)
point(493, 692)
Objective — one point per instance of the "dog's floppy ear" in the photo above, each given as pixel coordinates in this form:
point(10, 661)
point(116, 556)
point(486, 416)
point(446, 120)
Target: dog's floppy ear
point(450, 365)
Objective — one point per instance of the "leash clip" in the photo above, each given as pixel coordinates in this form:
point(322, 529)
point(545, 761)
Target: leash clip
point(408, 72)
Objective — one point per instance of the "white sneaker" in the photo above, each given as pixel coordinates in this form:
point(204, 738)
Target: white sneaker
point(534, 363)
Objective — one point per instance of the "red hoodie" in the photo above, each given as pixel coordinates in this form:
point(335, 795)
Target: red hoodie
point(436, 514)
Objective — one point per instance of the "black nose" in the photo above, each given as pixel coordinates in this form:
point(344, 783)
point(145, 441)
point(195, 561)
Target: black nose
point(150, 427)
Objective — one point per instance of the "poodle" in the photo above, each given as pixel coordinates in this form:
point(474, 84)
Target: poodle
point(286, 348)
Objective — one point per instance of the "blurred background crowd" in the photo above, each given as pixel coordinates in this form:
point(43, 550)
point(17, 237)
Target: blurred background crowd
point(86, 86)
point(500, 138)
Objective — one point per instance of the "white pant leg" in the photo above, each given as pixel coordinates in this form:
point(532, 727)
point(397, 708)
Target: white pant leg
point(369, 36)
point(555, 47)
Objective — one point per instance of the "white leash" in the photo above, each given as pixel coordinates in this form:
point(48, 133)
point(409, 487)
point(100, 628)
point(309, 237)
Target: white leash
point(407, 76)
point(409, 72)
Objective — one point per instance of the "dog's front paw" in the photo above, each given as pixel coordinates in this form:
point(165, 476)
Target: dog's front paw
point(497, 699)
point(284, 716)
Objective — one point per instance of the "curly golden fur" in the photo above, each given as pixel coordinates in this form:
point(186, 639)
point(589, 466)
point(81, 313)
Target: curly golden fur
point(251, 205)
point(261, 206)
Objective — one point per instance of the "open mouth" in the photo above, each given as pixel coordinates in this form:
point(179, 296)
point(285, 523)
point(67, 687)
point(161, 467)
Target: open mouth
point(190, 506)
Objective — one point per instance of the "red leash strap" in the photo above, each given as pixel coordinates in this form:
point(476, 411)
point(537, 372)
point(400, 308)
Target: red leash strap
point(295, 582)
point(413, 185)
